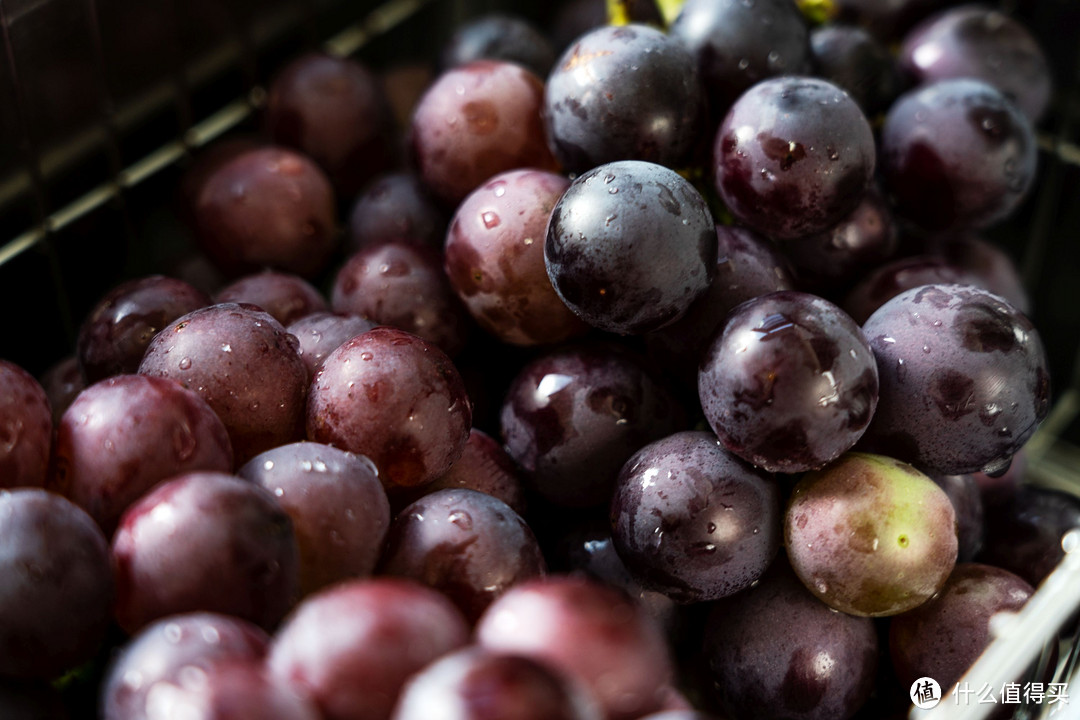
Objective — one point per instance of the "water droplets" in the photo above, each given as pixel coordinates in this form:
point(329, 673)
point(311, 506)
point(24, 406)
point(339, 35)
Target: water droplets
point(226, 348)
point(744, 63)
point(462, 519)
point(185, 363)
point(366, 356)
point(499, 189)
point(268, 465)
point(490, 219)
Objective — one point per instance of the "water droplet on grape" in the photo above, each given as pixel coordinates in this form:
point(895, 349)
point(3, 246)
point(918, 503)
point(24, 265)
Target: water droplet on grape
point(461, 518)
point(743, 64)
point(490, 220)
point(226, 347)
point(185, 363)
point(500, 189)
point(268, 465)
point(821, 586)
point(279, 492)
point(366, 356)
point(305, 466)
point(711, 528)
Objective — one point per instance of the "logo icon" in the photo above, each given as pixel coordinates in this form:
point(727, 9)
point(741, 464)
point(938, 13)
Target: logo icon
point(925, 693)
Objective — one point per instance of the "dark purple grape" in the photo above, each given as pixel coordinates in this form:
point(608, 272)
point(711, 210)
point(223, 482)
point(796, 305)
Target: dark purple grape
point(395, 398)
point(887, 20)
point(854, 60)
point(244, 364)
point(793, 157)
point(692, 521)
point(26, 428)
point(893, 278)
point(62, 383)
point(170, 650)
point(238, 555)
point(352, 647)
point(336, 111)
point(267, 207)
point(115, 334)
point(477, 121)
point(630, 246)
point(966, 500)
point(736, 43)
point(497, 36)
point(396, 207)
point(591, 632)
point(402, 285)
point(945, 635)
point(287, 298)
point(790, 383)
point(338, 508)
point(984, 44)
point(964, 381)
point(322, 333)
point(627, 92)
point(495, 259)
point(776, 651)
point(1023, 533)
point(57, 585)
point(988, 265)
point(124, 435)
point(956, 154)
point(21, 700)
point(571, 419)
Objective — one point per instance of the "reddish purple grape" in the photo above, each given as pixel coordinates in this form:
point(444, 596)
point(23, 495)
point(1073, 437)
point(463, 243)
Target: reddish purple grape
point(287, 298)
point(124, 435)
point(893, 278)
point(396, 207)
point(692, 521)
point(228, 354)
point(1023, 532)
point(238, 554)
point(793, 156)
point(322, 333)
point(498, 36)
point(856, 61)
point(200, 169)
point(57, 585)
point(115, 334)
point(352, 647)
point(62, 383)
point(395, 398)
point(26, 428)
point(963, 492)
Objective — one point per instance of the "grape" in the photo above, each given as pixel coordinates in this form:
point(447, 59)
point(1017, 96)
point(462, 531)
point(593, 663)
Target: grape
point(62, 383)
point(964, 381)
point(790, 384)
point(629, 246)
point(886, 19)
point(495, 36)
point(26, 428)
point(693, 521)
point(477, 121)
point(334, 110)
point(984, 44)
point(854, 60)
point(337, 505)
point(624, 93)
point(869, 535)
point(495, 259)
point(322, 333)
point(287, 298)
point(1023, 533)
point(956, 154)
point(468, 545)
point(591, 632)
point(793, 156)
point(396, 207)
point(395, 398)
point(988, 266)
point(964, 495)
point(124, 435)
point(572, 417)
point(57, 588)
point(893, 278)
point(227, 353)
point(352, 647)
point(266, 207)
point(115, 334)
point(169, 650)
point(204, 542)
point(404, 286)
point(201, 168)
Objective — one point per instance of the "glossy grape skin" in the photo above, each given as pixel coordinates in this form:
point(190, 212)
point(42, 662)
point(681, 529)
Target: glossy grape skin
point(57, 589)
point(853, 59)
point(402, 285)
point(626, 92)
point(62, 383)
point(322, 333)
point(226, 353)
point(572, 417)
point(693, 521)
point(26, 428)
point(966, 500)
point(398, 207)
point(336, 111)
point(201, 168)
point(589, 631)
point(869, 535)
point(898, 276)
point(736, 44)
point(114, 336)
point(981, 43)
point(460, 139)
point(964, 381)
point(497, 36)
point(630, 245)
point(495, 259)
point(956, 154)
point(285, 297)
point(1024, 532)
point(790, 383)
point(267, 207)
point(352, 647)
point(793, 156)
point(776, 651)
point(339, 510)
point(943, 637)
point(124, 435)
point(239, 555)
point(395, 398)
point(169, 649)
